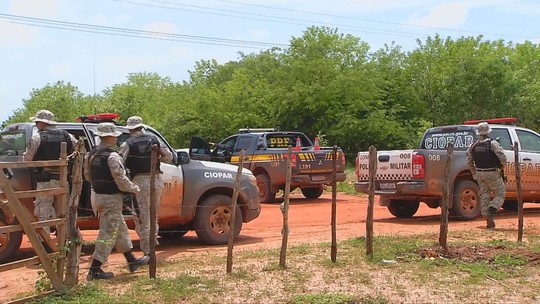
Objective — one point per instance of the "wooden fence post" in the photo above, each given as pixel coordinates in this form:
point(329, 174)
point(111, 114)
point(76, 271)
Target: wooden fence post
point(333, 249)
point(74, 244)
point(519, 191)
point(153, 215)
point(285, 212)
point(232, 221)
point(443, 232)
point(371, 199)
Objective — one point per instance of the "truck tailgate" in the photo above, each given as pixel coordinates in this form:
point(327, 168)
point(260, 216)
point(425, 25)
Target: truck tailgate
point(392, 166)
point(318, 162)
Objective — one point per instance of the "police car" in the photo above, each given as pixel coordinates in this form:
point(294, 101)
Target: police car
point(196, 196)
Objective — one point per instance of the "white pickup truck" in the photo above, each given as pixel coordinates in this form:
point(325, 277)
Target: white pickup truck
point(404, 178)
point(196, 195)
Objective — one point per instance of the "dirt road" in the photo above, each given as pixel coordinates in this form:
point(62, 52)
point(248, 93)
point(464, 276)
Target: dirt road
point(309, 221)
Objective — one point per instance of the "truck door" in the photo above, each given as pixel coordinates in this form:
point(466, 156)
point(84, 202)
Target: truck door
point(502, 135)
point(173, 184)
point(247, 143)
point(529, 157)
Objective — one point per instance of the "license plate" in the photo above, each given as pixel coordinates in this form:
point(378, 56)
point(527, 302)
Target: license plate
point(387, 186)
point(318, 178)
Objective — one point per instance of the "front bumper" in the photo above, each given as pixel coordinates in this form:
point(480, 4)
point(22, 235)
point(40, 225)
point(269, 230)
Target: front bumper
point(250, 195)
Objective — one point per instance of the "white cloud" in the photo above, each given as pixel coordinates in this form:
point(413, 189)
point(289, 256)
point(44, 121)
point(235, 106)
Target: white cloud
point(161, 27)
point(259, 34)
point(17, 34)
point(35, 8)
point(60, 69)
point(448, 15)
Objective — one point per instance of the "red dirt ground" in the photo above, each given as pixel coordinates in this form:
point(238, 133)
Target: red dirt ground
point(309, 222)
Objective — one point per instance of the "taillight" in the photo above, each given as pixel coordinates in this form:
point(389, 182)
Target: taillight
point(293, 160)
point(343, 160)
point(418, 166)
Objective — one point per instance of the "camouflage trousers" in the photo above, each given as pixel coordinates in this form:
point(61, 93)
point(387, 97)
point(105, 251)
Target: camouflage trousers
point(490, 182)
point(142, 220)
point(113, 231)
point(44, 208)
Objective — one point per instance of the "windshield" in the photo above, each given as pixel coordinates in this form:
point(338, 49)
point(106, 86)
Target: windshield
point(12, 142)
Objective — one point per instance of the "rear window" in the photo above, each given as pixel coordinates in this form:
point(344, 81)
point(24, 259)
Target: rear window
point(439, 140)
point(277, 140)
point(12, 142)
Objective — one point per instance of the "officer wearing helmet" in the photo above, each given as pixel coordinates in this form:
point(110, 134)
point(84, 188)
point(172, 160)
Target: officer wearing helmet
point(45, 145)
point(486, 158)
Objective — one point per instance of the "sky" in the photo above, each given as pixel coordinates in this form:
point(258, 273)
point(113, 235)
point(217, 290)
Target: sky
point(96, 44)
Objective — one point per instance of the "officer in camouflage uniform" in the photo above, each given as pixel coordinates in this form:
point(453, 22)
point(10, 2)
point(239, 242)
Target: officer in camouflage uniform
point(45, 145)
point(136, 152)
point(104, 168)
point(486, 158)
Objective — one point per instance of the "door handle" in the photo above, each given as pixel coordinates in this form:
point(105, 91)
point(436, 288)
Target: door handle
point(527, 159)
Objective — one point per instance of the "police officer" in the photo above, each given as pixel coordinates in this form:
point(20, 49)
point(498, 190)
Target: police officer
point(136, 152)
point(104, 168)
point(486, 158)
point(45, 145)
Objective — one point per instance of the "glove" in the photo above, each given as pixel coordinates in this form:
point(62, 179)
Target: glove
point(136, 189)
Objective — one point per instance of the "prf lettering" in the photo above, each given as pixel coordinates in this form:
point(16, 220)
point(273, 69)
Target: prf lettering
point(280, 141)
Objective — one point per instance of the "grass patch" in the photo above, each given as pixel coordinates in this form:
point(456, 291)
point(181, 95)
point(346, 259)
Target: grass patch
point(413, 268)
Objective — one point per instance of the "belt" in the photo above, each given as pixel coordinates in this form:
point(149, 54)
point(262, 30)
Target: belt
point(486, 169)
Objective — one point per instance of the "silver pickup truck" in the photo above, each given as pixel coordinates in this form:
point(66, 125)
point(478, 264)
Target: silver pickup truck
point(404, 178)
point(196, 195)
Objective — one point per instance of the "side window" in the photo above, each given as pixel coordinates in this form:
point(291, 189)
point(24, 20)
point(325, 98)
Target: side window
point(226, 147)
point(529, 141)
point(244, 142)
point(503, 137)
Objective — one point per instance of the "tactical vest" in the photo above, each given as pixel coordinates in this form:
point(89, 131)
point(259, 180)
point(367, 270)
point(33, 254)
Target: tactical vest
point(483, 157)
point(102, 180)
point(140, 154)
point(51, 139)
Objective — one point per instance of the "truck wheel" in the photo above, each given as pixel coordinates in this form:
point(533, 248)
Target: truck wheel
point(11, 241)
point(466, 201)
point(212, 221)
point(403, 208)
point(312, 192)
point(265, 188)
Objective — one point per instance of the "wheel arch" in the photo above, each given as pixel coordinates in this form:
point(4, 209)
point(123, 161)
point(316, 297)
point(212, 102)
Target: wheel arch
point(460, 176)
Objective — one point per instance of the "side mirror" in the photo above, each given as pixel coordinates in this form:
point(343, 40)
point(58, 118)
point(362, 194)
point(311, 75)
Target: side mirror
point(183, 157)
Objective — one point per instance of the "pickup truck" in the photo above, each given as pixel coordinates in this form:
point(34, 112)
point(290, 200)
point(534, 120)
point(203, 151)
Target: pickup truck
point(196, 195)
point(404, 178)
point(265, 154)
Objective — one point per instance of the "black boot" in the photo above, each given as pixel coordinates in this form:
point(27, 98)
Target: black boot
point(489, 217)
point(133, 263)
point(96, 273)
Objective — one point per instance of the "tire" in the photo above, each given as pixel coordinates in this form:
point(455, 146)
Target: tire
point(312, 192)
point(9, 242)
point(510, 205)
point(467, 204)
point(403, 208)
point(212, 221)
point(264, 185)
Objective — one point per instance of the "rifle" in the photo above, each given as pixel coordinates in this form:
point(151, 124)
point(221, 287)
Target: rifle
point(504, 178)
